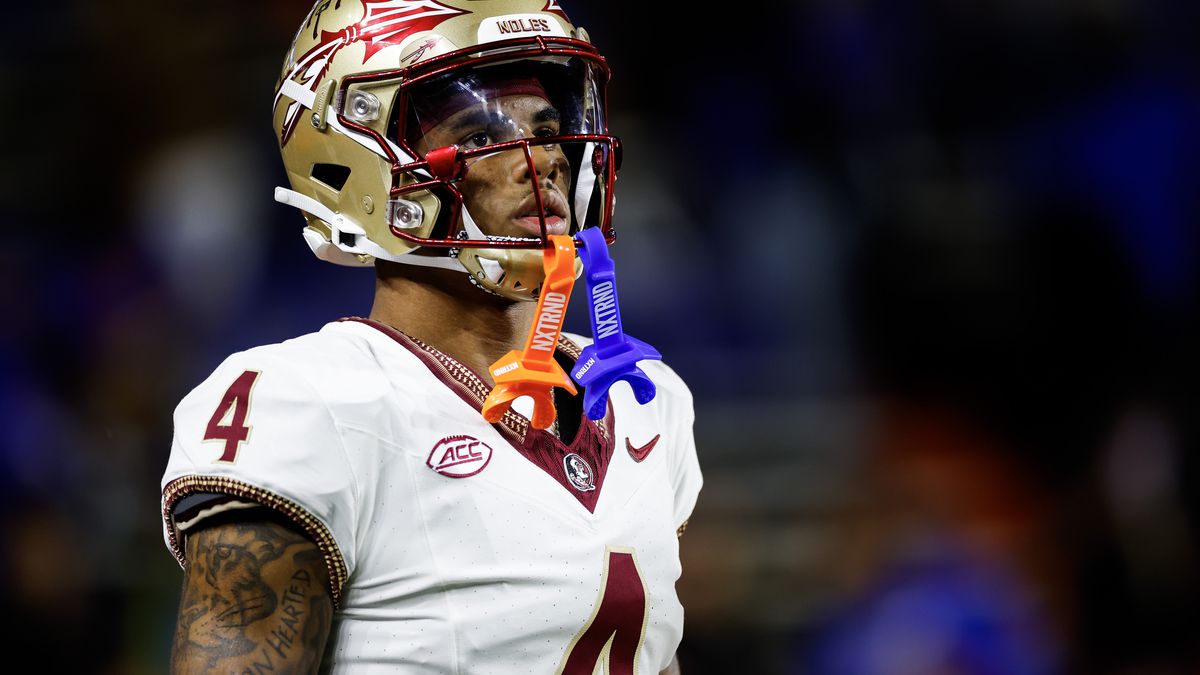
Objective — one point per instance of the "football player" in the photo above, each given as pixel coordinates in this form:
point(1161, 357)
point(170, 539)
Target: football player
point(339, 502)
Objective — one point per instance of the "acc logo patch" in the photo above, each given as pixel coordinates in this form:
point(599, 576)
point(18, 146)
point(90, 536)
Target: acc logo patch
point(579, 473)
point(459, 456)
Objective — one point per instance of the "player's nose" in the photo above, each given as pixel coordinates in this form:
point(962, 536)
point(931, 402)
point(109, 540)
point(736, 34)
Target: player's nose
point(548, 162)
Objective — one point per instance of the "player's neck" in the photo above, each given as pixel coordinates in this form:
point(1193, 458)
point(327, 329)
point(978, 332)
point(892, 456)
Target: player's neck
point(445, 311)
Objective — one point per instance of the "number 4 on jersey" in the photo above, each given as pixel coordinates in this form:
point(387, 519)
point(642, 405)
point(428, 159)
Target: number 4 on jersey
point(614, 634)
point(237, 399)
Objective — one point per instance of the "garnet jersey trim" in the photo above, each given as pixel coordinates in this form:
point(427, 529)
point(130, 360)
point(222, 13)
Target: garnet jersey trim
point(458, 377)
point(468, 385)
point(320, 534)
point(593, 442)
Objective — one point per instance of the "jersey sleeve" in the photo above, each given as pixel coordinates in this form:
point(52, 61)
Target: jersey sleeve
point(257, 433)
point(677, 420)
point(687, 476)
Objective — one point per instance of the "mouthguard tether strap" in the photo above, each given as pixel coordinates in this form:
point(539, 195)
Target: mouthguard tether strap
point(533, 372)
point(613, 356)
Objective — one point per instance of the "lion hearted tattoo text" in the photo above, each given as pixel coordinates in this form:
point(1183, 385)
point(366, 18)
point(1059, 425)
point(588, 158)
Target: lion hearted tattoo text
point(254, 601)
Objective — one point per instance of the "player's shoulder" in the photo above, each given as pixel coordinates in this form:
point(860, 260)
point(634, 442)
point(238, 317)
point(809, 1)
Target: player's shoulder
point(295, 357)
point(336, 348)
point(326, 366)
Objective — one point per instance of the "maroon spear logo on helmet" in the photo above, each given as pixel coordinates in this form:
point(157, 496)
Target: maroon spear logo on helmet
point(385, 23)
point(553, 6)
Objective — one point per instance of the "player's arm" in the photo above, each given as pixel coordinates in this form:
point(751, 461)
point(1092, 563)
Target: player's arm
point(255, 599)
point(672, 669)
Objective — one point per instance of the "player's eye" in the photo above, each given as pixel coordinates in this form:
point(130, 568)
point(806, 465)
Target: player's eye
point(497, 131)
point(476, 139)
point(547, 122)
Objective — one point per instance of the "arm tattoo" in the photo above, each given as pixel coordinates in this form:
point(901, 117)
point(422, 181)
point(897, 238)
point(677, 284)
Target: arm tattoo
point(255, 600)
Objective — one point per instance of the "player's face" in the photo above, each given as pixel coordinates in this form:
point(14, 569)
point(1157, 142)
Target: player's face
point(498, 188)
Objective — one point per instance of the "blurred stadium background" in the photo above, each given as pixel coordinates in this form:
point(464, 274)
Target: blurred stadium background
point(930, 268)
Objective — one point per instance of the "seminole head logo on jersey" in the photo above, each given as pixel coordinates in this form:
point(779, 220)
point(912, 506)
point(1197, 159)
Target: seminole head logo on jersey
point(579, 473)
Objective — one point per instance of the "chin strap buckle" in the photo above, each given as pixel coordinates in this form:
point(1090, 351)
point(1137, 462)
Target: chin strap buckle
point(533, 372)
point(613, 356)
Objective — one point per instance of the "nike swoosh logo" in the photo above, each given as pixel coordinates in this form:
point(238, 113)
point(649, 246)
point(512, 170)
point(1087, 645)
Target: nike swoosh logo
point(638, 454)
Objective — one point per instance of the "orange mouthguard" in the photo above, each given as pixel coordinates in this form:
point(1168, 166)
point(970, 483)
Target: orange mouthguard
point(533, 372)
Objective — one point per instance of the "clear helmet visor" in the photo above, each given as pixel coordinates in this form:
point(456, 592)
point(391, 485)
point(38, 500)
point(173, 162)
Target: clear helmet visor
point(563, 92)
point(533, 155)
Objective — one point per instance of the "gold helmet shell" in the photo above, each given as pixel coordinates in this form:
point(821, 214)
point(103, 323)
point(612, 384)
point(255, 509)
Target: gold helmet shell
point(366, 193)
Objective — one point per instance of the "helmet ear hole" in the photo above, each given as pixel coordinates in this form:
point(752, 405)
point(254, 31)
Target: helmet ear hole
point(333, 176)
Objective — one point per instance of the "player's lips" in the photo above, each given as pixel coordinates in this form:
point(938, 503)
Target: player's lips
point(555, 210)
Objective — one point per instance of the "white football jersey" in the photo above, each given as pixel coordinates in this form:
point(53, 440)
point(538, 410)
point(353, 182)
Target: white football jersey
point(453, 545)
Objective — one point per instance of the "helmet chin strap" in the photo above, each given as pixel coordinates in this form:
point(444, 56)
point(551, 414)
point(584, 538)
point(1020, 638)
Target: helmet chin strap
point(584, 186)
point(334, 250)
point(468, 223)
point(494, 270)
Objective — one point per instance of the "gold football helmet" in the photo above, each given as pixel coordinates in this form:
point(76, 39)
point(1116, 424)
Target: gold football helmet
point(523, 91)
